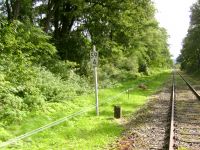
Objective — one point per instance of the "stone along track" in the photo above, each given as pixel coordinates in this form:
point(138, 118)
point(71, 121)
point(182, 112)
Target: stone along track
point(148, 128)
point(168, 121)
point(186, 117)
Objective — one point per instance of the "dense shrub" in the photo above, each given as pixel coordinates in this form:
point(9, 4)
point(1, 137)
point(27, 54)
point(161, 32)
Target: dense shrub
point(121, 69)
point(11, 105)
point(31, 74)
point(17, 38)
point(27, 87)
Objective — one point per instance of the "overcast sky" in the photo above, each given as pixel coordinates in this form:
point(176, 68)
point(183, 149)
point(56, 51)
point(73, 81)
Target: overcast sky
point(174, 16)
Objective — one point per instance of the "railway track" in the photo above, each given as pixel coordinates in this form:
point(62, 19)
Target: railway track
point(164, 124)
point(185, 119)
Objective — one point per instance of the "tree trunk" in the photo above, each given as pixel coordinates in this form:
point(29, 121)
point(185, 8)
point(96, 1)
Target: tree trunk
point(49, 15)
point(13, 9)
point(8, 9)
point(16, 9)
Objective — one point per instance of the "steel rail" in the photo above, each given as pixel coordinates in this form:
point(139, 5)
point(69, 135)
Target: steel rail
point(171, 139)
point(191, 88)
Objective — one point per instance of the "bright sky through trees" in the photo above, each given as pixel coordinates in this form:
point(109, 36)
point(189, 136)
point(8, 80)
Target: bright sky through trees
point(174, 15)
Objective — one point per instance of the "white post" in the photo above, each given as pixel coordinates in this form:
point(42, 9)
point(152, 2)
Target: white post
point(96, 91)
point(96, 83)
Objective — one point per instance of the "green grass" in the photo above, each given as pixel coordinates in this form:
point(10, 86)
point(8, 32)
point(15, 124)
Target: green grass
point(192, 78)
point(87, 131)
point(182, 148)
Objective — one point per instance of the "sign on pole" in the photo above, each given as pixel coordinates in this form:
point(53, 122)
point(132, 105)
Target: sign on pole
point(94, 61)
point(94, 57)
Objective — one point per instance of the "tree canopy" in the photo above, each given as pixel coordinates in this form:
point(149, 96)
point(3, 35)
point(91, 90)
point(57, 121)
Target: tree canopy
point(118, 29)
point(190, 53)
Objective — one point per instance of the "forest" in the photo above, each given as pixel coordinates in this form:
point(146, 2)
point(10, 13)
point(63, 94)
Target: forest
point(45, 46)
point(190, 53)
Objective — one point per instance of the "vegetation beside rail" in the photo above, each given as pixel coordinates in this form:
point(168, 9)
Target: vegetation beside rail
point(44, 56)
point(45, 45)
point(86, 131)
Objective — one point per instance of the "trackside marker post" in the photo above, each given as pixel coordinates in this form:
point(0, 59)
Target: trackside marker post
point(94, 61)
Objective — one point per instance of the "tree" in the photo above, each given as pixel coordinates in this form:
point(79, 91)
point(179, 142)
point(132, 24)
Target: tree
point(190, 53)
point(119, 29)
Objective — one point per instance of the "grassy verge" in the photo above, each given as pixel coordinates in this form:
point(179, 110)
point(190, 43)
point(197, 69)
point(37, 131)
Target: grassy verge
point(193, 78)
point(86, 131)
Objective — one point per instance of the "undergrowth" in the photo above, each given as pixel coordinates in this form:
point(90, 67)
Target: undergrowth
point(86, 131)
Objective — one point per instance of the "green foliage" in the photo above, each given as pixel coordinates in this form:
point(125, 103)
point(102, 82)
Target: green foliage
point(4, 134)
point(24, 88)
point(11, 105)
point(26, 84)
point(122, 69)
point(17, 38)
point(126, 34)
point(132, 42)
point(118, 29)
point(190, 53)
point(77, 132)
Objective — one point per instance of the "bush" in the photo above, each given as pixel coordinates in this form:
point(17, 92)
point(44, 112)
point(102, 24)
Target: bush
point(4, 134)
point(11, 105)
point(119, 70)
point(25, 87)
point(17, 38)
point(31, 74)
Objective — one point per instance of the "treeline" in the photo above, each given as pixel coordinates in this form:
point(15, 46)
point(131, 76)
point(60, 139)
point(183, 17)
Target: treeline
point(190, 53)
point(45, 45)
point(119, 29)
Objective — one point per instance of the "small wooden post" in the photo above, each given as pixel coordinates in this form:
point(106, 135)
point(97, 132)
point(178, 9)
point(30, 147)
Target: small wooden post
point(117, 112)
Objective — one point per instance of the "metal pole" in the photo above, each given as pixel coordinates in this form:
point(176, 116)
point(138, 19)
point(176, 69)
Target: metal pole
point(96, 86)
point(96, 91)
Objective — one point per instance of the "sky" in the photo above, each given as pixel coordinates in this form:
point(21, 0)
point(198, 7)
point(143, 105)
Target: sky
point(174, 15)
